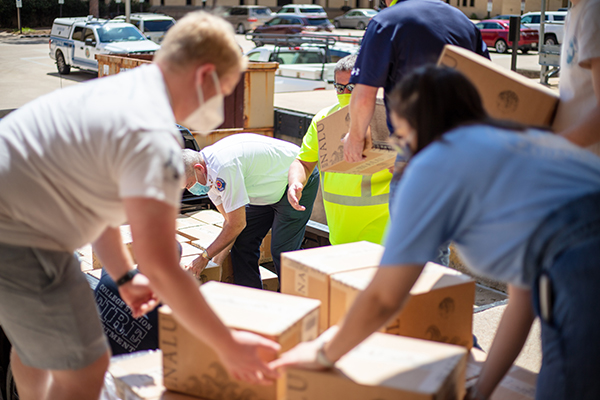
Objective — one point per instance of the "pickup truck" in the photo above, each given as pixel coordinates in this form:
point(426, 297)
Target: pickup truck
point(74, 42)
point(553, 27)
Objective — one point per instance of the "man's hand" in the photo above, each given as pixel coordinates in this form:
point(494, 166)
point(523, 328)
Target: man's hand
point(294, 195)
point(246, 360)
point(197, 266)
point(353, 148)
point(304, 355)
point(138, 296)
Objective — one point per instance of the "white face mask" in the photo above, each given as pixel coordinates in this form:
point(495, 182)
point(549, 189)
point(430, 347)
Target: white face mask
point(210, 114)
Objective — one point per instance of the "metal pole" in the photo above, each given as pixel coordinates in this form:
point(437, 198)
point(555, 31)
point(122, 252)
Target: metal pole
point(19, 19)
point(544, 69)
point(127, 10)
point(514, 35)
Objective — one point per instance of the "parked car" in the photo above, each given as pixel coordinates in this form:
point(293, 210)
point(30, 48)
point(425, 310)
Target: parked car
point(358, 18)
point(74, 42)
point(153, 26)
point(291, 24)
point(494, 33)
point(311, 10)
point(303, 54)
point(553, 27)
point(505, 16)
point(246, 18)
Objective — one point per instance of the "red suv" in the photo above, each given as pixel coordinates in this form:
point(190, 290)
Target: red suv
point(495, 34)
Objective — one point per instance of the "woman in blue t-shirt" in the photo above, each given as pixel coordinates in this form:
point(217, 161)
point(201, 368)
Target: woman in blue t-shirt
point(521, 205)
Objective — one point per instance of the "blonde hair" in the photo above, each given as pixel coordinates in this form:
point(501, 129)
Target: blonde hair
point(200, 38)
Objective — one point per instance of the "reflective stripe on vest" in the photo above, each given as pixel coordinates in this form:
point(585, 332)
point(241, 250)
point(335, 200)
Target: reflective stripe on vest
point(365, 199)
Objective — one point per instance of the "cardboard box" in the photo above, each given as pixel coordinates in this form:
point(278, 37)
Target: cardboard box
point(269, 279)
point(185, 221)
point(139, 376)
point(379, 155)
point(518, 384)
point(440, 306)
point(182, 239)
point(212, 272)
point(306, 272)
point(227, 270)
point(192, 367)
point(505, 94)
point(386, 367)
point(210, 217)
point(204, 235)
point(265, 249)
point(127, 239)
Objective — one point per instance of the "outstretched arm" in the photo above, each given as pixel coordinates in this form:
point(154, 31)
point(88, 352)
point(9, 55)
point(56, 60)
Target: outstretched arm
point(297, 177)
point(379, 302)
point(153, 229)
point(510, 338)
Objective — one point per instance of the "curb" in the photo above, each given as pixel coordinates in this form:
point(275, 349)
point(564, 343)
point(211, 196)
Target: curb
point(33, 36)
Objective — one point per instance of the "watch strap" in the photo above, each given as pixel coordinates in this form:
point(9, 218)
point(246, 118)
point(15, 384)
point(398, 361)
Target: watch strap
point(127, 277)
point(322, 358)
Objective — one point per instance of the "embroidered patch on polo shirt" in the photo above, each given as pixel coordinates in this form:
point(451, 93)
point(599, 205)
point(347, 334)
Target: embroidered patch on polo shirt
point(220, 184)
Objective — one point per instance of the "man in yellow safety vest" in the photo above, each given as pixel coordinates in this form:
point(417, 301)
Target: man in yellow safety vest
point(356, 206)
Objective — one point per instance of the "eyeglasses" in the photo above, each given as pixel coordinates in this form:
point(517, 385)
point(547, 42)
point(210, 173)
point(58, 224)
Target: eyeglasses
point(339, 88)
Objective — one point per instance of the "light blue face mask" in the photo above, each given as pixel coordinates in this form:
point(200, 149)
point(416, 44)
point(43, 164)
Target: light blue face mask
point(198, 189)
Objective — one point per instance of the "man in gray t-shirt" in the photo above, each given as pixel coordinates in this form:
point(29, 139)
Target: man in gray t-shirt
point(76, 164)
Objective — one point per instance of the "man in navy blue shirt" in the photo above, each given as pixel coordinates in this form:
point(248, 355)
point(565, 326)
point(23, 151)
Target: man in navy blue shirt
point(406, 35)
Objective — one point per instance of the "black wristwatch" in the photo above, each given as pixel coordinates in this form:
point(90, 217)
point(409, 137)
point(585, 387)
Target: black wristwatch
point(127, 277)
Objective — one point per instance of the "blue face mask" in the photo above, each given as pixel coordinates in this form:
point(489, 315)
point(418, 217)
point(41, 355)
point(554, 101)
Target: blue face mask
point(197, 188)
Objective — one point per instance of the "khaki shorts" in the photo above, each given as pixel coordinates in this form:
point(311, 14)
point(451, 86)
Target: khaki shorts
point(47, 309)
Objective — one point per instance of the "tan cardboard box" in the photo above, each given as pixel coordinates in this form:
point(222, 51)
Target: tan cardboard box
point(379, 155)
point(440, 306)
point(505, 94)
point(227, 270)
point(386, 367)
point(306, 272)
point(211, 217)
point(139, 376)
point(518, 384)
point(185, 221)
point(212, 272)
point(269, 279)
point(182, 239)
point(192, 367)
point(265, 249)
point(204, 234)
point(127, 239)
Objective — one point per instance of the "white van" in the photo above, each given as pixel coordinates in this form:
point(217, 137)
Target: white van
point(154, 26)
point(309, 10)
point(74, 42)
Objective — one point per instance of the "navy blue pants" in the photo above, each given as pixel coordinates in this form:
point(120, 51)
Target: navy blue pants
point(564, 258)
point(287, 233)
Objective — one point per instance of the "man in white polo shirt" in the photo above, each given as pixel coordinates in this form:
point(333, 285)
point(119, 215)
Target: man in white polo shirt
point(245, 176)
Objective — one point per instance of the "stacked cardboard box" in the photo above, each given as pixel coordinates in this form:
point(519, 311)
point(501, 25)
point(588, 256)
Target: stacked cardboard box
point(378, 154)
point(192, 367)
point(518, 383)
point(306, 272)
point(386, 367)
point(127, 239)
point(439, 308)
point(139, 376)
point(269, 279)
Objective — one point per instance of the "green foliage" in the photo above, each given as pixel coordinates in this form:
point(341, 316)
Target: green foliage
point(474, 16)
point(41, 13)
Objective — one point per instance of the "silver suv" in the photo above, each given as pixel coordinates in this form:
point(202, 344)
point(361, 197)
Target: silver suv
point(246, 18)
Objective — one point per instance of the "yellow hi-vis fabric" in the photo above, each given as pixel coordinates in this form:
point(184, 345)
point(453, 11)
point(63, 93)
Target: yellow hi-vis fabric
point(356, 206)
